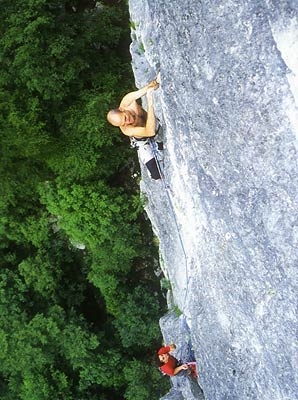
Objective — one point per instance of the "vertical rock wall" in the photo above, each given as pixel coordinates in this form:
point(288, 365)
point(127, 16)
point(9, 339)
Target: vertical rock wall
point(228, 225)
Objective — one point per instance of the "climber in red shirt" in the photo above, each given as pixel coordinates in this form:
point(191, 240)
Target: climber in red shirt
point(171, 366)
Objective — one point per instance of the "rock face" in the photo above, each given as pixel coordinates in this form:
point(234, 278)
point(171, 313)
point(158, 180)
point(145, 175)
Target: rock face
point(175, 330)
point(226, 214)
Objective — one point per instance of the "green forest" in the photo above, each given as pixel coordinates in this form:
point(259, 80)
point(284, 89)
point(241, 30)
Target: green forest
point(79, 298)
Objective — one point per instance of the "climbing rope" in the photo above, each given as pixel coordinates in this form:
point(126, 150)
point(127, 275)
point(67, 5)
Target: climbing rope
point(167, 190)
point(166, 186)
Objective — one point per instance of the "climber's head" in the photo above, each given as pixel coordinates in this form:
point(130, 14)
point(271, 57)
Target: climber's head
point(115, 117)
point(164, 358)
point(119, 117)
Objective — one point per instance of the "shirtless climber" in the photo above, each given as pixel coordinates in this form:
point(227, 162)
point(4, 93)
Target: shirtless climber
point(139, 125)
point(130, 116)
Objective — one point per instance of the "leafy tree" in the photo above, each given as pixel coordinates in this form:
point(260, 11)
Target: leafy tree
point(76, 276)
point(136, 323)
point(144, 382)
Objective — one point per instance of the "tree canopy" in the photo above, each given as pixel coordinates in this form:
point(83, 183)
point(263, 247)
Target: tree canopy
point(79, 300)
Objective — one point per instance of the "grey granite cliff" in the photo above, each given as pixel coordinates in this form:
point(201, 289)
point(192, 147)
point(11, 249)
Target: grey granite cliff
point(227, 213)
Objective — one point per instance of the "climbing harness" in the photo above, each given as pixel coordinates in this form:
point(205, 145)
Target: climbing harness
point(146, 156)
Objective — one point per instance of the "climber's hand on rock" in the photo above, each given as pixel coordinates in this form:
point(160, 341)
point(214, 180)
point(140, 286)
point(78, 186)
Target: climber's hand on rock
point(153, 84)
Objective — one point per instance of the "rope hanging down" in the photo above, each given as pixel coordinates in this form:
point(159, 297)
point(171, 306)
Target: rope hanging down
point(168, 193)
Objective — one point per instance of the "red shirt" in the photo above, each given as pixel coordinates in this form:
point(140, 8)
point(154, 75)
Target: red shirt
point(169, 367)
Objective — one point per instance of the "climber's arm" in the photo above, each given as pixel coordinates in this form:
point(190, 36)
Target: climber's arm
point(129, 98)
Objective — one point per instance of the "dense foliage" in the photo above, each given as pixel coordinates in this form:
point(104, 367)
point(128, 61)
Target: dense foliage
point(78, 295)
